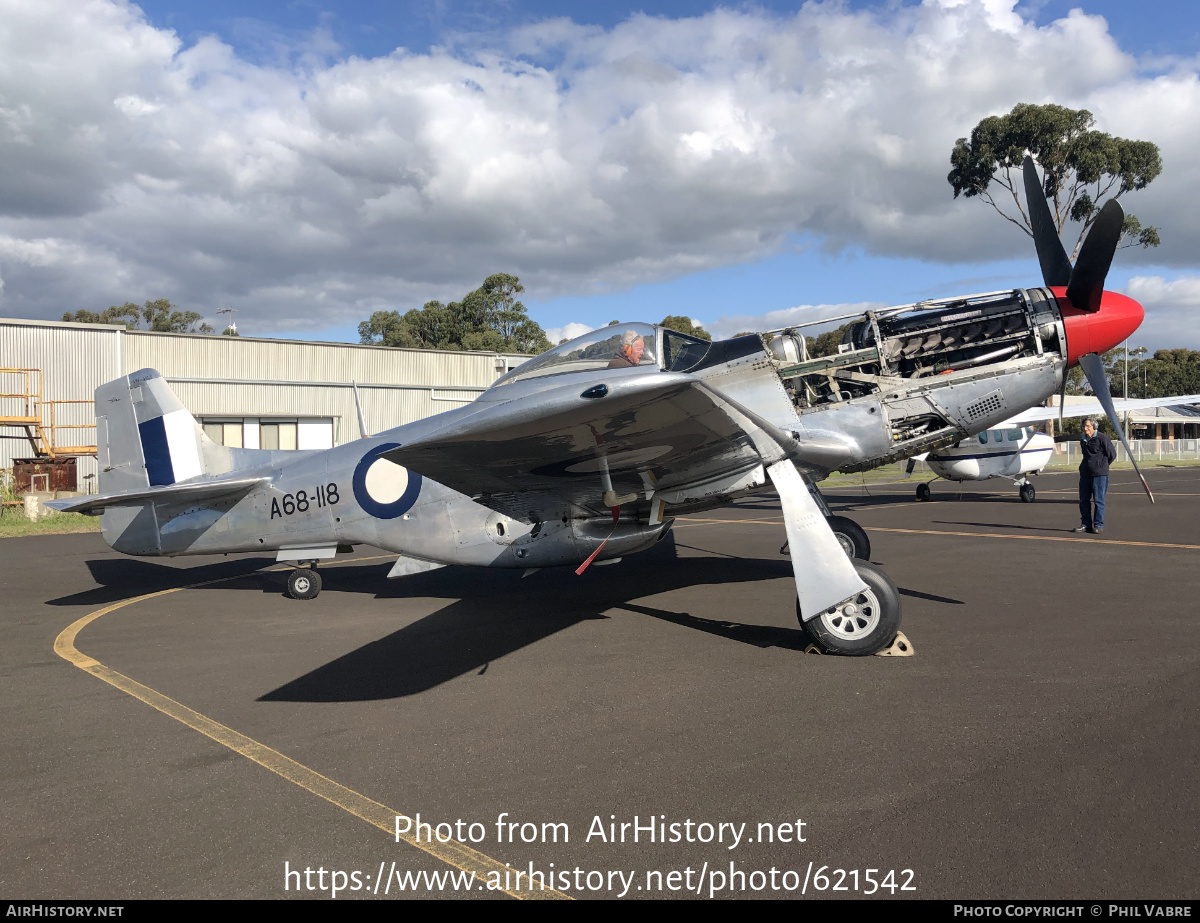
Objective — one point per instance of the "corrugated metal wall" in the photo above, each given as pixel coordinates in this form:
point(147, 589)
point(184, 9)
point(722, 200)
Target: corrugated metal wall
point(74, 359)
point(243, 376)
point(189, 356)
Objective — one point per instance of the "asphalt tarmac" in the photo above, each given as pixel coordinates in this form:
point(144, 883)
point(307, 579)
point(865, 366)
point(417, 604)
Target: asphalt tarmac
point(205, 743)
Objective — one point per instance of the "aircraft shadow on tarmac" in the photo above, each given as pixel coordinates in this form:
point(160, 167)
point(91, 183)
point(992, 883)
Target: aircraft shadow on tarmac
point(1006, 525)
point(121, 578)
point(494, 613)
point(491, 613)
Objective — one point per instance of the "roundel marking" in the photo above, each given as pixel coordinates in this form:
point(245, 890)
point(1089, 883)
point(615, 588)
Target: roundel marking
point(383, 488)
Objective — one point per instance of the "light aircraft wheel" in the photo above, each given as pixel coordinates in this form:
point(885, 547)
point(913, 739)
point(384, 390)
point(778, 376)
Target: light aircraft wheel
point(850, 534)
point(923, 492)
point(1027, 493)
point(303, 583)
point(864, 626)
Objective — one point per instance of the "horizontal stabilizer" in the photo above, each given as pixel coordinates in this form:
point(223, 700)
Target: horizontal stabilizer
point(171, 493)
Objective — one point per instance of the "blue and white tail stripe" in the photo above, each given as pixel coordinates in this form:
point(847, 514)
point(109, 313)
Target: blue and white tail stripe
point(170, 448)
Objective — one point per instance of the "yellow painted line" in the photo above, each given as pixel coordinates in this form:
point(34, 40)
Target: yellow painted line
point(378, 815)
point(1120, 493)
point(1036, 538)
point(868, 507)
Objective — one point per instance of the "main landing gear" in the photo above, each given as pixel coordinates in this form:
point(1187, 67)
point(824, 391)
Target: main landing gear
point(923, 492)
point(862, 626)
point(851, 537)
point(304, 582)
point(845, 605)
point(850, 534)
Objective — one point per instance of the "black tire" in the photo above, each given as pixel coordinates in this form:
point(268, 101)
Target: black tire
point(868, 630)
point(854, 540)
point(923, 492)
point(303, 583)
point(1028, 494)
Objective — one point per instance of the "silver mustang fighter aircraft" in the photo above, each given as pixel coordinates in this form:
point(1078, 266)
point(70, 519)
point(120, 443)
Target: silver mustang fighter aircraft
point(584, 453)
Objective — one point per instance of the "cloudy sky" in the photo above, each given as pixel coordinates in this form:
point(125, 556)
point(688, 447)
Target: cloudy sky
point(751, 165)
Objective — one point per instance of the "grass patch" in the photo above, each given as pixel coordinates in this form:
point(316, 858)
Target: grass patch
point(13, 523)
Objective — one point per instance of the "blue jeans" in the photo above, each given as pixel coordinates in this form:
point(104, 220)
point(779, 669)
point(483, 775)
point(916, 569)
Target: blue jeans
point(1092, 489)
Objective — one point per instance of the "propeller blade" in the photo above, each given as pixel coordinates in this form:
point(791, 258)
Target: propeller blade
point(1093, 368)
point(912, 466)
point(1096, 255)
point(1062, 399)
point(1056, 266)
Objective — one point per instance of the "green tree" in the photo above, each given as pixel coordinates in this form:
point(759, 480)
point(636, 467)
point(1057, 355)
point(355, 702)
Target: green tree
point(160, 316)
point(487, 319)
point(1172, 371)
point(827, 343)
point(684, 325)
point(128, 314)
point(1082, 168)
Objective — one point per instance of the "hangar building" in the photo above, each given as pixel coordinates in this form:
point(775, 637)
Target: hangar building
point(244, 391)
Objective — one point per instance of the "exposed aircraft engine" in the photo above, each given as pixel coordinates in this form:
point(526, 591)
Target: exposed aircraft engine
point(917, 377)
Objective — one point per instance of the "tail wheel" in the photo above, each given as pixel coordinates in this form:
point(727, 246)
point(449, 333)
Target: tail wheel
point(851, 536)
point(303, 583)
point(1027, 493)
point(862, 626)
point(923, 492)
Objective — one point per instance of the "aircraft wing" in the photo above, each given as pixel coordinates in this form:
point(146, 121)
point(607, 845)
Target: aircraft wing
point(1092, 408)
point(542, 454)
point(183, 492)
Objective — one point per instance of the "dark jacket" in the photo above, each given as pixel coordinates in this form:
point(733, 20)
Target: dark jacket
point(1097, 453)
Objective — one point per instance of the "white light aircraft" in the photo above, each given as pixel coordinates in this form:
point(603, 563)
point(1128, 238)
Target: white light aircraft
point(1014, 448)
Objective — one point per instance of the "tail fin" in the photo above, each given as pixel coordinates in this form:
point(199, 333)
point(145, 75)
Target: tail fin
point(145, 437)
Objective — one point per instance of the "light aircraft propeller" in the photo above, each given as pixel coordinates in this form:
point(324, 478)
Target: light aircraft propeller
point(1093, 318)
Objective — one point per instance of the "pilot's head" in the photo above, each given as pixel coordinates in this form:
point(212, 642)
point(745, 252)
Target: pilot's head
point(632, 346)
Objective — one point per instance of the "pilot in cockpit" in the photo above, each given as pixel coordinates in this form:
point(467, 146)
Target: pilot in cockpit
point(629, 354)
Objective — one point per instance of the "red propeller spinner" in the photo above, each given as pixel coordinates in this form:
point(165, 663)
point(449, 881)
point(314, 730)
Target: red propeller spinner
point(1097, 331)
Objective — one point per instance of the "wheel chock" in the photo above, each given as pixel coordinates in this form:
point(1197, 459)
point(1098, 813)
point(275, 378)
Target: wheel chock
point(901, 647)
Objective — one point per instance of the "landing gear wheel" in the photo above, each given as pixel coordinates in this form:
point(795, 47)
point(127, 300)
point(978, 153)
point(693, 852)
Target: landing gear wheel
point(1027, 493)
point(303, 583)
point(853, 539)
point(865, 625)
point(923, 492)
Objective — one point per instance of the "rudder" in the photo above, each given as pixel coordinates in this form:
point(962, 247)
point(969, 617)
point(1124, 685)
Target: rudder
point(145, 437)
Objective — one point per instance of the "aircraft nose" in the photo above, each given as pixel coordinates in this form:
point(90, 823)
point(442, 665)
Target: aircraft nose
point(1097, 331)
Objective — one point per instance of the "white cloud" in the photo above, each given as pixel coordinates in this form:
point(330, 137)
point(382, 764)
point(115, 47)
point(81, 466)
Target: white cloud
point(1172, 311)
point(579, 158)
point(729, 324)
point(568, 332)
point(1155, 291)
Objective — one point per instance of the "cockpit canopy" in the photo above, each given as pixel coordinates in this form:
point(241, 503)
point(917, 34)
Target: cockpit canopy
point(619, 346)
